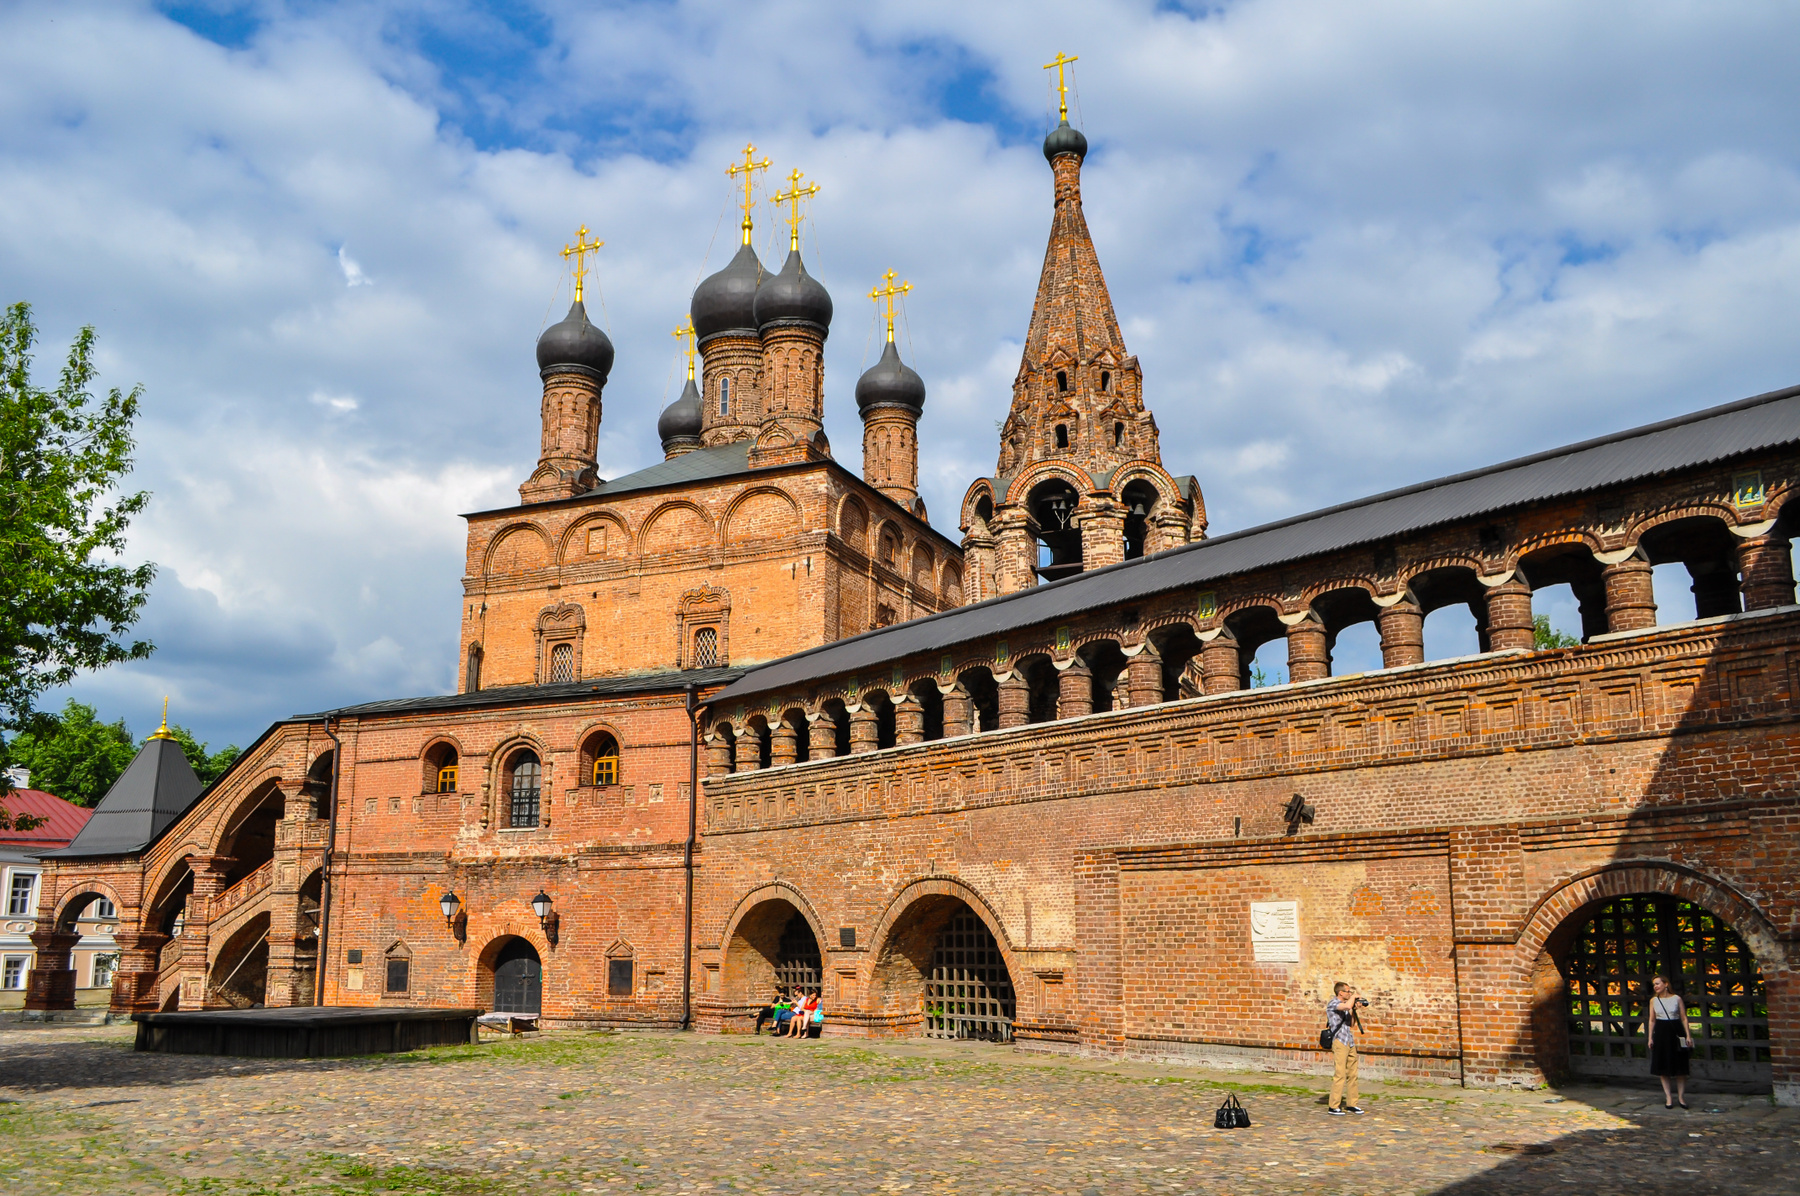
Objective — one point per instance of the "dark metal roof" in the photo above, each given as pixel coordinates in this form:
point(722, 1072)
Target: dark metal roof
point(701, 465)
point(532, 695)
point(1684, 442)
point(154, 790)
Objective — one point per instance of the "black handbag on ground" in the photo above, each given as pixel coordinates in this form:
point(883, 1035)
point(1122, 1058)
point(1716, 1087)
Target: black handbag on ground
point(1231, 1115)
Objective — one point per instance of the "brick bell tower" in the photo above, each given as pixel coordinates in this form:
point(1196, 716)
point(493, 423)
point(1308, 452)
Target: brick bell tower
point(574, 358)
point(890, 397)
point(723, 313)
point(793, 318)
point(1080, 478)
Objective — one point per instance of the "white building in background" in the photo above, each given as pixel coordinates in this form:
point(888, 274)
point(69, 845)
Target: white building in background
point(21, 887)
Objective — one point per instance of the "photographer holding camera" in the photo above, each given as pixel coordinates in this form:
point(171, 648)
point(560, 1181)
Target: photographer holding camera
point(1342, 1023)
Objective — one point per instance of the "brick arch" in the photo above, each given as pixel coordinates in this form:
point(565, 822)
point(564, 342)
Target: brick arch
point(855, 535)
point(574, 540)
point(1146, 471)
point(520, 533)
point(742, 515)
point(1622, 879)
point(158, 890)
point(65, 915)
point(978, 489)
point(667, 515)
point(752, 932)
point(1044, 472)
point(1724, 512)
point(1576, 536)
point(1449, 560)
point(890, 980)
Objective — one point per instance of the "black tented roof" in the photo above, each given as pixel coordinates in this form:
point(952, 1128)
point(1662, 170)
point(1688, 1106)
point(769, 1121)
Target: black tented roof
point(154, 790)
point(1762, 422)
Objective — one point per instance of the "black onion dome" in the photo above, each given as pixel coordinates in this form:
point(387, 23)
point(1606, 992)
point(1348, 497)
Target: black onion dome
point(726, 301)
point(793, 295)
point(1065, 138)
point(575, 341)
point(890, 383)
point(680, 420)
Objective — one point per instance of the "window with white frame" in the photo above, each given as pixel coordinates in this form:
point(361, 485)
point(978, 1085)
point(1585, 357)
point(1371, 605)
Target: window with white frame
point(104, 908)
point(12, 971)
point(21, 898)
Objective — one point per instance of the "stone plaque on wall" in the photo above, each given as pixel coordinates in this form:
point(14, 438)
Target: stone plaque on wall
point(1275, 931)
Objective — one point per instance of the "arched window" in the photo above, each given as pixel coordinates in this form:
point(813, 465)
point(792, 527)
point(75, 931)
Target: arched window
point(1118, 434)
point(706, 648)
point(1062, 379)
point(605, 770)
point(562, 663)
point(1062, 436)
point(527, 775)
point(724, 397)
point(399, 969)
point(1105, 380)
point(440, 768)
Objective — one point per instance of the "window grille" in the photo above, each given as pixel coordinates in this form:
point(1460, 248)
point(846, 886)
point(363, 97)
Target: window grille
point(18, 900)
point(606, 762)
point(13, 973)
point(706, 648)
point(525, 779)
point(1635, 938)
point(969, 994)
point(798, 965)
point(562, 663)
point(447, 779)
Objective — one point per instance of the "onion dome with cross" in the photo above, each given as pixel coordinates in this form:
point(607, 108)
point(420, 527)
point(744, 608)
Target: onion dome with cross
point(793, 296)
point(1064, 138)
point(680, 423)
point(726, 302)
point(890, 382)
point(574, 341)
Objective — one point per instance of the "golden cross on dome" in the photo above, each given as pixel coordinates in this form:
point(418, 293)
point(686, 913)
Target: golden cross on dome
point(748, 168)
point(163, 731)
point(888, 292)
point(792, 197)
point(579, 252)
point(1062, 88)
point(686, 332)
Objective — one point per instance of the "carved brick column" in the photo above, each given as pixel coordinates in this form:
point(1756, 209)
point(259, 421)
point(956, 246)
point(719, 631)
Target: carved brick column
point(1015, 701)
point(978, 566)
point(749, 751)
point(865, 730)
point(1509, 615)
point(299, 847)
point(959, 712)
point(1102, 524)
point(1168, 529)
point(1143, 678)
point(134, 982)
point(718, 756)
point(1715, 589)
point(1308, 658)
point(1015, 553)
point(1402, 628)
point(51, 982)
point(1630, 598)
point(1768, 572)
point(196, 944)
point(909, 721)
point(1075, 691)
point(1220, 669)
point(821, 742)
point(784, 744)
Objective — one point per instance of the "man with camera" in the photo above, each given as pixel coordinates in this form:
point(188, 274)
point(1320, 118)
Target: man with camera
point(1342, 1023)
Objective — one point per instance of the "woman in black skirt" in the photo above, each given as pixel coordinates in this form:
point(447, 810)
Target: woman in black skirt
point(1669, 1042)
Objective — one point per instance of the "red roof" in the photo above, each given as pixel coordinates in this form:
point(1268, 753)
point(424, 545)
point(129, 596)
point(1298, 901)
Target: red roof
point(64, 820)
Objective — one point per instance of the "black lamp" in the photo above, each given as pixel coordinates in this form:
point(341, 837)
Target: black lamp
point(449, 903)
point(547, 917)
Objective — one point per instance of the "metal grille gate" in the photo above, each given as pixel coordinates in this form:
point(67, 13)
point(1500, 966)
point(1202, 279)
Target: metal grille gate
point(1634, 938)
point(969, 994)
point(797, 966)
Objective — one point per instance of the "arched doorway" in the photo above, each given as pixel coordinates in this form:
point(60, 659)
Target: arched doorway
point(941, 959)
point(1617, 948)
point(240, 971)
point(772, 944)
point(518, 978)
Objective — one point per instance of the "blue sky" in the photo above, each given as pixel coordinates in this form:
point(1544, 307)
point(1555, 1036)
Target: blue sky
point(1353, 246)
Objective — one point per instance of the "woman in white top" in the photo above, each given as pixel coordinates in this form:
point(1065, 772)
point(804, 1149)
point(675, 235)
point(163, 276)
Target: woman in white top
point(1669, 1041)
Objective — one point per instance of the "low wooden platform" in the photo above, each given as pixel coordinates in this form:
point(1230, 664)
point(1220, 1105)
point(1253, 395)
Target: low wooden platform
point(303, 1032)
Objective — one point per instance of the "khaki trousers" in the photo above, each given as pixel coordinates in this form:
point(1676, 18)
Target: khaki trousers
point(1343, 1075)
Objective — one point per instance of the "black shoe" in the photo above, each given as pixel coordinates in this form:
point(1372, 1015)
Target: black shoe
point(1682, 1103)
point(1335, 1112)
point(1351, 1109)
point(1667, 1105)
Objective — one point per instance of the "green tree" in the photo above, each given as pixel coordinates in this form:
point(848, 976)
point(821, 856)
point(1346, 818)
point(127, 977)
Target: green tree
point(73, 754)
point(1545, 636)
point(66, 604)
point(208, 766)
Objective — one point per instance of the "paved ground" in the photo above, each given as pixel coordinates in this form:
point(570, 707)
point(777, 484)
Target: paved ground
point(579, 1113)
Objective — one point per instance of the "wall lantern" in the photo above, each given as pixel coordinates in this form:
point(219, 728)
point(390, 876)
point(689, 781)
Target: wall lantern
point(547, 917)
point(456, 920)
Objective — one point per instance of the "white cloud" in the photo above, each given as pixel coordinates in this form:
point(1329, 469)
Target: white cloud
point(1353, 247)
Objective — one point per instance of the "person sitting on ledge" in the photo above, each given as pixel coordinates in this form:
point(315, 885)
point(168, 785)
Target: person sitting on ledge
point(771, 1012)
point(796, 1025)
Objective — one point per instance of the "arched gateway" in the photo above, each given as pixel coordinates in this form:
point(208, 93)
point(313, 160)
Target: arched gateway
point(1608, 964)
point(940, 961)
point(518, 978)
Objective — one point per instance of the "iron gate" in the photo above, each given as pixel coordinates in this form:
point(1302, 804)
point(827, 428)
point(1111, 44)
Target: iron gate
point(518, 979)
point(797, 966)
point(968, 994)
point(1634, 938)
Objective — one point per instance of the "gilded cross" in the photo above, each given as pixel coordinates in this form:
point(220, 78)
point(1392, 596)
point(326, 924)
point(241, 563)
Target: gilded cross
point(887, 292)
point(1062, 87)
point(748, 168)
point(686, 333)
point(792, 197)
point(579, 252)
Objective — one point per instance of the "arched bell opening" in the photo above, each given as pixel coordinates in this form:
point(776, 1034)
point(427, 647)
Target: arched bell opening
point(941, 963)
point(772, 947)
point(1051, 505)
point(239, 976)
point(1140, 499)
point(1566, 586)
point(512, 976)
point(1697, 555)
point(1593, 990)
point(984, 697)
point(1341, 610)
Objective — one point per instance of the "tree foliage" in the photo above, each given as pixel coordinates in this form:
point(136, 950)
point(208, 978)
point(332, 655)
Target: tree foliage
point(66, 604)
point(77, 757)
point(1545, 636)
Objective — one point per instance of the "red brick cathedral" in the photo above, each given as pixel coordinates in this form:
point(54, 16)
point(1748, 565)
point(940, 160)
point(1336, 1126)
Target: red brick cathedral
point(745, 717)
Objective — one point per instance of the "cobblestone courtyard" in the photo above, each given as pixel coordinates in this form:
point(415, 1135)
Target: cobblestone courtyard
point(579, 1113)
